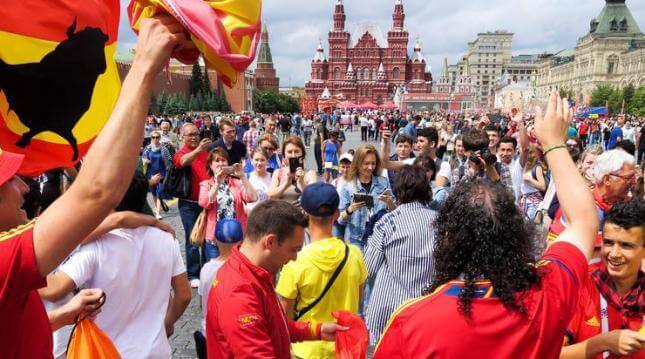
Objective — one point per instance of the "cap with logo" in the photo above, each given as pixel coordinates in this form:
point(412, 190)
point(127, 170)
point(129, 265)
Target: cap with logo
point(320, 199)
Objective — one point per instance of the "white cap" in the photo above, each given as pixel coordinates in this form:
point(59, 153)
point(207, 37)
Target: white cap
point(346, 156)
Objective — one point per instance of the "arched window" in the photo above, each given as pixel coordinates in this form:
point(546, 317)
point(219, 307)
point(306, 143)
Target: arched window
point(396, 73)
point(359, 73)
point(613, 25)
point(612, 64)
point(336, 73)
point(373, 73)
point(366, 73)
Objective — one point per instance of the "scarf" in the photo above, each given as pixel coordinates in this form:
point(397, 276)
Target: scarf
point(600, 202)
point(632, 304)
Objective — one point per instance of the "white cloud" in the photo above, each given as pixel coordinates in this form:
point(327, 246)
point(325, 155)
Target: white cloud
point(444, 27)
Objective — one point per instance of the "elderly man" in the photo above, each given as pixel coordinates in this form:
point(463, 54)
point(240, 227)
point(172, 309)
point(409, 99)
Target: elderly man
point(168, 138)
point(192, 155)
point(615, 174)
point(31, 250)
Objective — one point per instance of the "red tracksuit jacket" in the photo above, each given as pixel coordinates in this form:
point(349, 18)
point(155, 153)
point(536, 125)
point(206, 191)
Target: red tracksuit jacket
point(244, 318)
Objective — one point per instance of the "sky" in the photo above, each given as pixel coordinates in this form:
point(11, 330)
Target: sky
point(443, 27)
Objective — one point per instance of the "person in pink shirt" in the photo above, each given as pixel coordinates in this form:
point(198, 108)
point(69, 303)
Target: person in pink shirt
point(223, 195)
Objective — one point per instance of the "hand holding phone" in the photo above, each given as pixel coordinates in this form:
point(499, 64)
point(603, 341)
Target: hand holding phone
point(294, 163)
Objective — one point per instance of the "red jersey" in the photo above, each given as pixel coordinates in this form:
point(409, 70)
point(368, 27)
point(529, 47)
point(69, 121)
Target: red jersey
point(198, 171)
point(432, 327)
point(586, 321)
point(244, 318)
point(583, 129)
point(24, 327)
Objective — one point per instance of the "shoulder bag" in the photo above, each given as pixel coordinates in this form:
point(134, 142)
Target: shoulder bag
point(304, 310)
point(177, 182)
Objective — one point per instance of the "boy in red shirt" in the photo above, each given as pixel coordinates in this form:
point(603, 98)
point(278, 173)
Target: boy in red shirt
point(612, 302)
point(490, 298)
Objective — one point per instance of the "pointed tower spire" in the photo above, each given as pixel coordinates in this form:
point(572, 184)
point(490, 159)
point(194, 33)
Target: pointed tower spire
point(320, 53)
point(264, 53)
point(339, 16)
point(350, 75)
point(381, 76)
point(417, 56)
point(398, 17)
point(444, 72)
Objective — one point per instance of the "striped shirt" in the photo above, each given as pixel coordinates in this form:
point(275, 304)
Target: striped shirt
point(399, 258)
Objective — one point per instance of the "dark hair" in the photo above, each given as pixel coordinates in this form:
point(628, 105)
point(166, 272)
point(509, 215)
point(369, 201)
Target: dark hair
point(509, 139)
point(427, 163)
point(411, 185)
point(274, 217)
point(627, 214)
point(481, 233)
point(33, 198)
point(137, 194)
point(430, 133)
point(404, 138)
point(627, 145)
point(475, 141)
point(217, 151)
point(491, 127)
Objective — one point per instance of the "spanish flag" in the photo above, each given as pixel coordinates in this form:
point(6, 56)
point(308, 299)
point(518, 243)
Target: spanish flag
point(225, 32)
point(58, 79)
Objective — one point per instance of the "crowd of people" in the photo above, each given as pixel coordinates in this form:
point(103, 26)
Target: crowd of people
point(496, 235)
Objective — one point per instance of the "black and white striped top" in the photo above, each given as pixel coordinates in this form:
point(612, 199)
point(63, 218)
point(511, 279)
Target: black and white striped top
point(399, 258)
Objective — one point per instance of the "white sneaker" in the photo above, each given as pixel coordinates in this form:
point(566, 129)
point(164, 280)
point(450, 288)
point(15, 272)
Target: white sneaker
point(194, 283)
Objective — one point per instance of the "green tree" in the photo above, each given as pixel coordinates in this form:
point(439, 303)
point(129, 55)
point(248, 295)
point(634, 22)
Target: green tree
point(600, 95)
point(162, 102)
point(615, 100)
point(206, 82)
point(637, 105)
point(195, 103)
point(182, 104)
point(628, 95)
point(196, 80)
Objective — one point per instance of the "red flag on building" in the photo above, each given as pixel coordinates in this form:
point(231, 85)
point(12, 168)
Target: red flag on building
point(58, 79)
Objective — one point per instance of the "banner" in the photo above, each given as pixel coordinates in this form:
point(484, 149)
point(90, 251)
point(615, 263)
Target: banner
point(58, 79)
point(225, 32)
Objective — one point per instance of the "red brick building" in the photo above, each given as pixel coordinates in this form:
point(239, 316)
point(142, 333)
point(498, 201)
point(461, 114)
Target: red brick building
point(366, 66)
point(265, 76)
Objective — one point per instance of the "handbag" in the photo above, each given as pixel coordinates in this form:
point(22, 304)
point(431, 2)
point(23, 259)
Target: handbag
point(332, 279)
point(198, 234)
point(177, 182)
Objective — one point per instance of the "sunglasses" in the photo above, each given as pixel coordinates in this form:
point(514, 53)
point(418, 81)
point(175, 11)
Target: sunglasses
point(155, 137)
point(268, 148)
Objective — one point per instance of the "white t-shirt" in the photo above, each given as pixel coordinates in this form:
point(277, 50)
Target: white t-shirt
point(364, 121)
point(261, 185)
point(517, 173)
point(445, 170)
point(206, 277)
point(134, 268)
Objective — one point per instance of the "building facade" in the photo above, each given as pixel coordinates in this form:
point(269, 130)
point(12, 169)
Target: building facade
point(611, 53)
point(265, 74)
point(366, 66)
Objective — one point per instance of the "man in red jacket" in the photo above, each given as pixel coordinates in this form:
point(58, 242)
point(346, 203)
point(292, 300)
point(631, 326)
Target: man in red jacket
point(244, 317)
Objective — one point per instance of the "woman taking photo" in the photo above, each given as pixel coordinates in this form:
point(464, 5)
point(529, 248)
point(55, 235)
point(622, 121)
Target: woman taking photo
point(223, 195)
point(157, 159)
point(260, 178)
point(289, 181)
point(364, 179)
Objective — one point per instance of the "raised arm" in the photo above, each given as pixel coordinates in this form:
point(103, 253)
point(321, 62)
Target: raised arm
point(111, 160)
point(574, 195)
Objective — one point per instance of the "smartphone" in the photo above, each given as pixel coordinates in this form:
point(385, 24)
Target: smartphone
point(365, 198)
point(228, 170)
point(387, 192)
point(208, 133)
point(294, 163)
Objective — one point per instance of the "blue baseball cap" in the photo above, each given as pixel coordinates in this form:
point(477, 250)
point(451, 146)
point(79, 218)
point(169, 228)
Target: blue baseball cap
point(229, 231)
point(317, 195)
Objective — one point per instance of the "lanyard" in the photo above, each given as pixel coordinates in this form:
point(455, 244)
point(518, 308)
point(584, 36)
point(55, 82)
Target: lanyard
point(604, 320)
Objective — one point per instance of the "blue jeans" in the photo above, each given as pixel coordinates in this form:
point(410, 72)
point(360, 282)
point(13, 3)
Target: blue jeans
point(189, 211)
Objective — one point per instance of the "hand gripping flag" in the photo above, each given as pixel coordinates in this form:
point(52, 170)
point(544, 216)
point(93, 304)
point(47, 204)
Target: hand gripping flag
point(225, 32)
point(58, 79)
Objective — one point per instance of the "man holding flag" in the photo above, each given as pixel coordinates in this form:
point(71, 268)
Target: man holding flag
point(30, 251)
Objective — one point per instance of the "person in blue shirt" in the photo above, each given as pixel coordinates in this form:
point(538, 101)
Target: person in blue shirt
point(331, 152)
point(410, 128)
point(616, 133)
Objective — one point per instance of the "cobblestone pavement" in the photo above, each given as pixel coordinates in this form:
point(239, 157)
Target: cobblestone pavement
point(182, 343)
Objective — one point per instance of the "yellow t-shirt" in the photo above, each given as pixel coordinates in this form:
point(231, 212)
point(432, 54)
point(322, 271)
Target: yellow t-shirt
point(306, 277)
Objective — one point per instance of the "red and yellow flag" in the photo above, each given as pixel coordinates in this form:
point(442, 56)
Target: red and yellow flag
point(226, 32)
point(58, 78)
